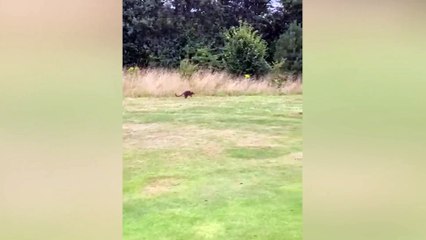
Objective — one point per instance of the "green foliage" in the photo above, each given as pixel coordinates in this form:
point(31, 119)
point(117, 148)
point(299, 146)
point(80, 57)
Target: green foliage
point(277, 76)
point(160, 33)
point(187, 68)
point(288, 48)
point(204, 58)
point(244, 51)
point(292, 10)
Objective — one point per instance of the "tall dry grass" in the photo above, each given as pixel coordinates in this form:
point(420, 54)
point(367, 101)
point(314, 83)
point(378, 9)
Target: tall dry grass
point(163, 82)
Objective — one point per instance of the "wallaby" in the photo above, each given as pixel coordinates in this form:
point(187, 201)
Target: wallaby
point(185, 94)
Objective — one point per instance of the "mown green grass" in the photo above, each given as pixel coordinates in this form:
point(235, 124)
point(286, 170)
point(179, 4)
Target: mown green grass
point(212, 168)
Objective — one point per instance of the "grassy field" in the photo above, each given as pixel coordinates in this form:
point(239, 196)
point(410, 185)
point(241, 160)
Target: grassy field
point(213, 168)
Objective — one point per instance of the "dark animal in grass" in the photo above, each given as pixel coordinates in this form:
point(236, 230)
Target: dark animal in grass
point(185, 94)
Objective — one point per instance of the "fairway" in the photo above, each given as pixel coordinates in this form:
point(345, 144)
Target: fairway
point(212, 168)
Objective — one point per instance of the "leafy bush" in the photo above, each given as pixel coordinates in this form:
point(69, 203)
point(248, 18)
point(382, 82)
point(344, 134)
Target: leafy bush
point(206, 59)
point(244, 51)
point(288, 48)
point(187, 68)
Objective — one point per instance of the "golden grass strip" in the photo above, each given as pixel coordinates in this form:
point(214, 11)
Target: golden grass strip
point(164, 83)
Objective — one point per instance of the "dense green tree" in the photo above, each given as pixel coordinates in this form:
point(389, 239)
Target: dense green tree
point(288, 48)
point(245, 51)
point(292, 10)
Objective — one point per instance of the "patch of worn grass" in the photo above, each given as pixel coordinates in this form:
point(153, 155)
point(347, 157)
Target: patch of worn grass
point(256, 153)
point(212, 168)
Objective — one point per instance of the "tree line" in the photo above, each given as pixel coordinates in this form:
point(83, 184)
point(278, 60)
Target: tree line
point(240, 36)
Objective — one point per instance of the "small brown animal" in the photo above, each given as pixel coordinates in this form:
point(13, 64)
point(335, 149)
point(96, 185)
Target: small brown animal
point(185, 94)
